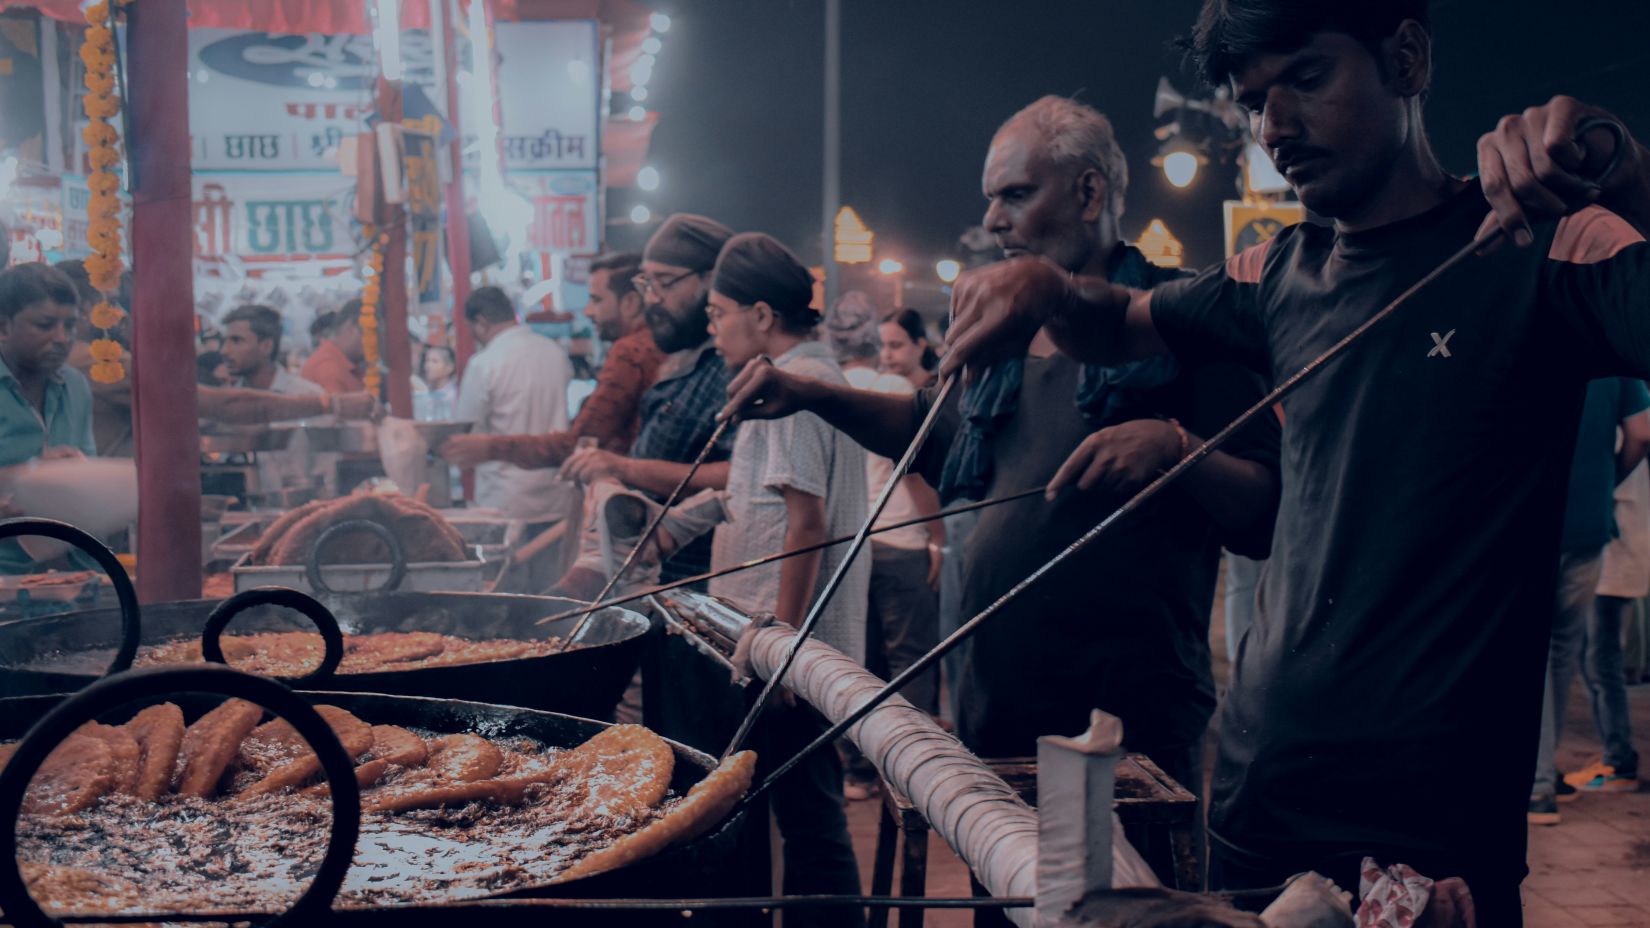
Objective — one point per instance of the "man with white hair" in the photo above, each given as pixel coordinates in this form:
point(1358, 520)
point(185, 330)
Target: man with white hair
point(1123, 625)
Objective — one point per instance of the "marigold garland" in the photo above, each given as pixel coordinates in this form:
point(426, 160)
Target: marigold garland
point(104, 266)
point(370, 293)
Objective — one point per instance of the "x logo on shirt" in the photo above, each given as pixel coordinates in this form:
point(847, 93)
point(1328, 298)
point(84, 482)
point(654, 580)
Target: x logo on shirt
point(1440, 344)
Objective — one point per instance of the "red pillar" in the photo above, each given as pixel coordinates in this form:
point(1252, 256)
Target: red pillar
point(397, 343)
point(458, 224)
point(163, 310)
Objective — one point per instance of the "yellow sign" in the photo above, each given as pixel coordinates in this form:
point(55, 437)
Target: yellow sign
point(853, 239)
point(1249, 224)
point(1160, 246)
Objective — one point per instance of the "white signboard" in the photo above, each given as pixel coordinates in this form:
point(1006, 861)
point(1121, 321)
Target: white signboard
point(256, 218)
point(261, 101)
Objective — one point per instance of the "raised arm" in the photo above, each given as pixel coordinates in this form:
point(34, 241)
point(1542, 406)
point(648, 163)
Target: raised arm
point(882, 423)
point(998, 309)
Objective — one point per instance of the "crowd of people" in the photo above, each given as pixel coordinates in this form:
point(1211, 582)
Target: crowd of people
point(1413, 578)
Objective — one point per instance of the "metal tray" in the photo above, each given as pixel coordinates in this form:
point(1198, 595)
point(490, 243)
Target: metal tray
point(487, 533)
point(361, 437)
point(244, 439)
point(452, 577)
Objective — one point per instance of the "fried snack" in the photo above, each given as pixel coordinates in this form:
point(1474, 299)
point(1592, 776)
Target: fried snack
point(62, 890)
point(77, 773)
point(277, 530)
point(393, 647)
point(391, 747)
point(158, 731)
point(425, 536)
point(463, 758)
point(707, 803)
point(123, 753)
point(516, 774)
point(278, 757)
point(211, 743)
point(625, 771)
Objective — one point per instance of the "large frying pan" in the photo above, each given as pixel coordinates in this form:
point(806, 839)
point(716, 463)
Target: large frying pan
point(695, 869)
point(64, 653)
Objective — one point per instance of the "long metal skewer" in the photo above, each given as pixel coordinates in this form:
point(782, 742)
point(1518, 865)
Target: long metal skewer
point(818, 608)
point(597, 606)
point(653, 526)
point(1261, 406)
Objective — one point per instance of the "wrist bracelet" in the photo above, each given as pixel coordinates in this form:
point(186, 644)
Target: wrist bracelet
point(1185, 440)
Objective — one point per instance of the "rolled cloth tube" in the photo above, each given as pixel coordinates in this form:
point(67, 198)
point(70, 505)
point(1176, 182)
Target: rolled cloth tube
point(977, 814)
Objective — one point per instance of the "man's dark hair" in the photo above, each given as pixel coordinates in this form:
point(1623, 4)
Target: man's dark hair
point(489, 303)
point(1229, 32)
point(27, 284)
point(75, 270)
point(264, 321)
point(622, 268)
point(324, 326)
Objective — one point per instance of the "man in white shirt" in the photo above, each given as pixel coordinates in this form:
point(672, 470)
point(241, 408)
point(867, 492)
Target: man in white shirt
point(516, 385)
point(251, 349)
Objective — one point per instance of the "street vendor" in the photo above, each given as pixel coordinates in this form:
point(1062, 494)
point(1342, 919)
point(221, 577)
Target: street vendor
point(610, 415)
point(338, 363)
point(1404, 615)
point(45, 405)
point(678, 413)
point(1124, 625)
point(252, 348)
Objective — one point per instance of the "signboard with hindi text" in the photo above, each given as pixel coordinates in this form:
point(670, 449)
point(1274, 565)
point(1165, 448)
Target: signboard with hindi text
point(566, 211)
point(266, 218)
point(263, 101)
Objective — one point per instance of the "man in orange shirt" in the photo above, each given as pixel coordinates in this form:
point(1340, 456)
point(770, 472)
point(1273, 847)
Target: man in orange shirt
point(337, 365)
point(611, 413)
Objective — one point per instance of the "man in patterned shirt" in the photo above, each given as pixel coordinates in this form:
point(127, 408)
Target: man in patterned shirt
point(611, 414)
point(679, 411)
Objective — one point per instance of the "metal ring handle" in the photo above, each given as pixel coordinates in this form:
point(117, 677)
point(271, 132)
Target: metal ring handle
point(1614, 128)
point(325, 623)
point(130, 626)
point(398, 559)
point(118, 690)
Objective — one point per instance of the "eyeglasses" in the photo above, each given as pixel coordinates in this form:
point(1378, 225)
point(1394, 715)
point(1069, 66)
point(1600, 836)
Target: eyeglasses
point(647, 286)
point(715, 315)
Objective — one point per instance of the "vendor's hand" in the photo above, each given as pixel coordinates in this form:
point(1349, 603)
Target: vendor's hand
point(467, 450)
point(588, 465)
point(357, 406)
point(763, 391)
point(62, 453)
point(1533, 169)
point(997, 309)
point(1121, 458)
point(936, 563)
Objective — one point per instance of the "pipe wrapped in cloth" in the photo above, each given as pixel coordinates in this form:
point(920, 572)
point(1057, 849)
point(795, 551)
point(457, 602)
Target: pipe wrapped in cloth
point(977, 814)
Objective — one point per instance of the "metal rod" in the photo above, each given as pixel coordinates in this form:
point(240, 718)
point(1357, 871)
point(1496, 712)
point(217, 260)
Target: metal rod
point(766, 559)
point(1263, 405)
point(653, 526)
point(818, 608)
point(496, 907)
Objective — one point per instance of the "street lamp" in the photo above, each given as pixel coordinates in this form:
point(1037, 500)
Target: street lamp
point(890, 266)
point(948, 270)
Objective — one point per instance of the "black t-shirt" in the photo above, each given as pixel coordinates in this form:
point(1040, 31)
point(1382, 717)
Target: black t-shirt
point(1386, 699)
point(1124, 624)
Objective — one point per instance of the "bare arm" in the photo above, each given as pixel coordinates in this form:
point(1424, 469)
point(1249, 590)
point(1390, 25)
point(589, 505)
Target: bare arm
point(239, 406)
point(880, 422)
point(805, 524)
point(1635, 443)
point(661, 477)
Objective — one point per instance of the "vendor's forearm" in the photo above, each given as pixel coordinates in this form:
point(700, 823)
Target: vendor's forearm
point(238, 406)
point(882, 423)
point(661, 477)
point(1096, 326)
point(1240, 496)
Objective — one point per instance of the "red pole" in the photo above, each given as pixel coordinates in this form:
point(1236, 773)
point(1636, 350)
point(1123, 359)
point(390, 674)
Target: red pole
point(393, 289)
point(458, 225)
point(163, 318)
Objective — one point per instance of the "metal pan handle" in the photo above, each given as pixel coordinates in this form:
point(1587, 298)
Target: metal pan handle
point(118, 690)
point(325, 623)
point(130, 627)
point(398, 558)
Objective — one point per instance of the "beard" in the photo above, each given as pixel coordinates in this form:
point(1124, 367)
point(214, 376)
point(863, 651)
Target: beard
point(674, 332)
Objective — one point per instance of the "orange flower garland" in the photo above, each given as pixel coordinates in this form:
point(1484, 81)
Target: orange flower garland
point(370, 294)
point(104, 266)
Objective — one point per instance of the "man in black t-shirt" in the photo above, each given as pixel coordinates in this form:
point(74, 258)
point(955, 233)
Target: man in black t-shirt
point(1404, 614)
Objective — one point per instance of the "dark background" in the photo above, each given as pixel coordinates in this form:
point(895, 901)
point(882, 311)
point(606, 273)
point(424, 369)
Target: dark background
point(738, 87)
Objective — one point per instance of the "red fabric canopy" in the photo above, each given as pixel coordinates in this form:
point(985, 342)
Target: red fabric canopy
point(351, 16)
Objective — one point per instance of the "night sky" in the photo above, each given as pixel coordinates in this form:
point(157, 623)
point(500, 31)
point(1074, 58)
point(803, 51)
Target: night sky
point(926, 82)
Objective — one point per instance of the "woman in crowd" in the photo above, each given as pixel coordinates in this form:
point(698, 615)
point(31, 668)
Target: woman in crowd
point(905, 348)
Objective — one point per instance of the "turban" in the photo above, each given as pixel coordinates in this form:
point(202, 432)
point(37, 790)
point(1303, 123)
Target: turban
point(686, 240)
point(851, 327)
point(756, 268)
